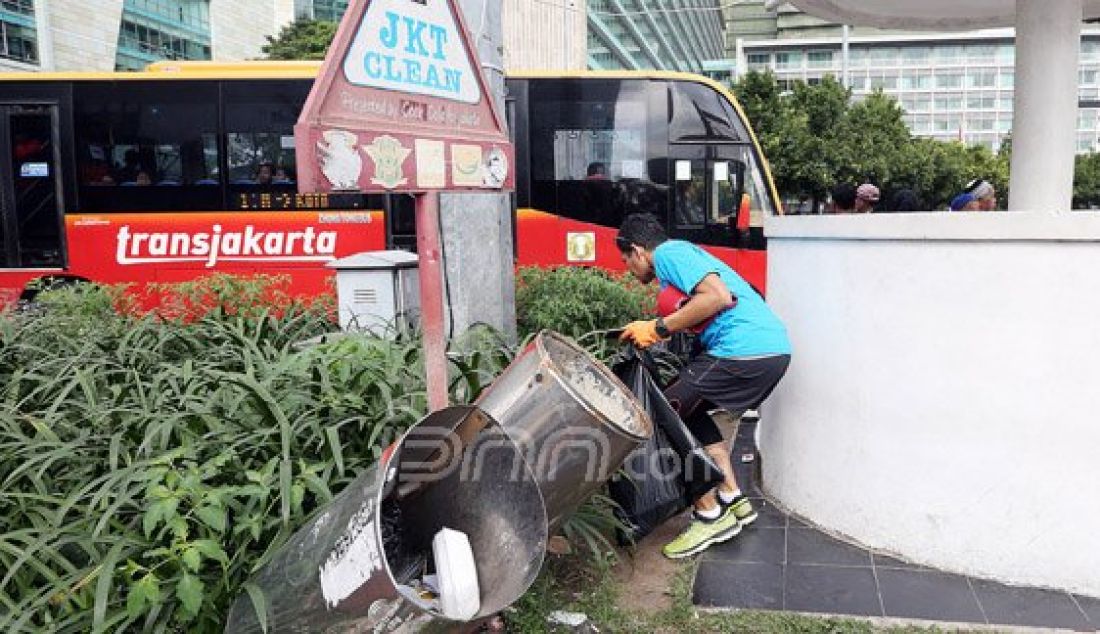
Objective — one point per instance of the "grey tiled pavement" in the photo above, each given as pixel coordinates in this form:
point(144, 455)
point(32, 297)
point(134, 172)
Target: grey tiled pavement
point(782, 563)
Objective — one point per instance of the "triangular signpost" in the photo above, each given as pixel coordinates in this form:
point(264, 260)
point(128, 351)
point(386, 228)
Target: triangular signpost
point(401, 105)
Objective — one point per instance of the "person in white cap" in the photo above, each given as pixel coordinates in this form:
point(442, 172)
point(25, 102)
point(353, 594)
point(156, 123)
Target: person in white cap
point(983, 192)
point(867, 196)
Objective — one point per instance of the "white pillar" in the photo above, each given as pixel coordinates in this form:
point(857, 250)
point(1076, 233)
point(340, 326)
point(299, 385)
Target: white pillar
point(45, 35)
point(1044, 130)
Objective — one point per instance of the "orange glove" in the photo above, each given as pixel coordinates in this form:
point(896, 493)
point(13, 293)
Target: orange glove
point(642, 333)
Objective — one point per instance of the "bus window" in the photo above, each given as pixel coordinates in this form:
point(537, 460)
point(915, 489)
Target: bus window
point(147, 146)
point(259, 125)
point(260, 161)
point(691, 193)
point(588, 150)
point(697, 112)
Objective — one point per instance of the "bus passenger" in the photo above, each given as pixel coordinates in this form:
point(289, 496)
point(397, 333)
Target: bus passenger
point(143, 178)
point(265, 174)
point(597, 171)
point(745, 354)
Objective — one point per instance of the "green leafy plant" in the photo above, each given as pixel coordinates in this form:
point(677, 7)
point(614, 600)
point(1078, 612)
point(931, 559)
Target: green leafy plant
point(578, 301)
point(149, 466)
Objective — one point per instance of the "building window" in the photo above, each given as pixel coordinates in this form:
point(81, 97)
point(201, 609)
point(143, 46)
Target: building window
point(788, 60)
point(18, 42)
point(153, 30)
point(22, 7)
point(916, 55)
point(981, 79)
point(1008, 79)
point(911, 80)
point(948, 80)
point(820, 59)
point(981, 53)
point(758, 61)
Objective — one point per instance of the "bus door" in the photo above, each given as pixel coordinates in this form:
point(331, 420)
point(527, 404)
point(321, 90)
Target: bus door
point(716, 195)
point(31, 217)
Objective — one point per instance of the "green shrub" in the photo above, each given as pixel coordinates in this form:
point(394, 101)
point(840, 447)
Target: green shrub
point(150, 463)
point(149, 466)
point(576, 301)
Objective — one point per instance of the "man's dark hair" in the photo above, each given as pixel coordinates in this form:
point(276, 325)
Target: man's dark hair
point(905, 200)
point(597, 168)
point(844, 196)
point(643, 230)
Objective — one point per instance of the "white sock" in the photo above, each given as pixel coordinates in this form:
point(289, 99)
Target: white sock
point(711, 514)
point(728, 497)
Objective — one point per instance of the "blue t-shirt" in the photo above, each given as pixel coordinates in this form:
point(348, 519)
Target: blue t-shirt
point(748, 329)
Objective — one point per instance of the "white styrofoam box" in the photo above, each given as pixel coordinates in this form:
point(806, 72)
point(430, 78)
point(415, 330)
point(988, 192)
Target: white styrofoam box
point(459, 593)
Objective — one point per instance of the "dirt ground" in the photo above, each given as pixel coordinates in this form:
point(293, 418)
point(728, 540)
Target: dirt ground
point(646, 576)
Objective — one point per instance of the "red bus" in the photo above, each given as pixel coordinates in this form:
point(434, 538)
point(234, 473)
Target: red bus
point(186, 168)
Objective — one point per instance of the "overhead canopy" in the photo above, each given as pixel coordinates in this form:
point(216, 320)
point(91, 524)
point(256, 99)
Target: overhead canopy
point(937, 15)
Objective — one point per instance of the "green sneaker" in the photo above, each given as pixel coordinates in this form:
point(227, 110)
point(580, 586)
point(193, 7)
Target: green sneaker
point(701, 534)
point(742, 508)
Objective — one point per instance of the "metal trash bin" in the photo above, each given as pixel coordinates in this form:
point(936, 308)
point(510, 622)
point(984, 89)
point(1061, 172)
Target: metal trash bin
point(574, 419)
point(355, 567)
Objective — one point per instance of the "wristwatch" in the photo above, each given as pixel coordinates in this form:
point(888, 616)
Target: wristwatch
point(662, 330)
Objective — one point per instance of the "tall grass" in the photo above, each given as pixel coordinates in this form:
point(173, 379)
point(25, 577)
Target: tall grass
point(148, 466)
point(152, 460)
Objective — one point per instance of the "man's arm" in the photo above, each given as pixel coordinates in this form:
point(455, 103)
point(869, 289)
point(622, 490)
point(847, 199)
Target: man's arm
point(708, 298)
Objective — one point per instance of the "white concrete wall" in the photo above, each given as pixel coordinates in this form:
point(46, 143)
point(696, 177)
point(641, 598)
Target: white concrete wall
point(84, 34)
point(545, 35)
point(239, 28)
point(944, 398)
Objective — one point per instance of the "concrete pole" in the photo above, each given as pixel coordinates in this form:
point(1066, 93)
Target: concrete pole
point(1044, 130)
point(844, 78)
point(44, 28)
point(477, 228)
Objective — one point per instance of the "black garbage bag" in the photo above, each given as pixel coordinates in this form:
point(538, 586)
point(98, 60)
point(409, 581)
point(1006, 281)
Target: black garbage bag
point(669, 472)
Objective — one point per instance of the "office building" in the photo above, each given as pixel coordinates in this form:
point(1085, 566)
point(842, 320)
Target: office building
point(104, 35)
point(952, 86)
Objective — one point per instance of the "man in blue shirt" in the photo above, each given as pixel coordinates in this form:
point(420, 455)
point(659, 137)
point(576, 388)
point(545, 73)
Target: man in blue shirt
point(745, 354)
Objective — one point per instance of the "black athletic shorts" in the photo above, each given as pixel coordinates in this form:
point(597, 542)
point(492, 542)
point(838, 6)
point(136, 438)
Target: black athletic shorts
point(707, 383)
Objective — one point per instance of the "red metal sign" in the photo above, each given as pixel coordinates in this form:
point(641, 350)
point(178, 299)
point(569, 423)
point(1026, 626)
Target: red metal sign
point(401, 106)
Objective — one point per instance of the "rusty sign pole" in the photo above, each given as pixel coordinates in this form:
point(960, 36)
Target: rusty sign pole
point(428, 241)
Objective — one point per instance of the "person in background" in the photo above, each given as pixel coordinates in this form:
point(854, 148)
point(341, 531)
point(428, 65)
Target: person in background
point(143, 178)
point(745, 353)
point(867, 196)
point(965, 202)
point(844, 199)
point(597, 171)
point(905, 200)
point(984, 192)
point(265, 174)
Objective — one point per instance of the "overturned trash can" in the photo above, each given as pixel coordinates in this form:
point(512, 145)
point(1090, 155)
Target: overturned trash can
point(574, 419)
point(449, 527)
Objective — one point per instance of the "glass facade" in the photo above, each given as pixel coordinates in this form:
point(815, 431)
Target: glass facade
point(327, 10)
point(18, 34)
point(949, 90)
point(154, 30)
point(644, 34)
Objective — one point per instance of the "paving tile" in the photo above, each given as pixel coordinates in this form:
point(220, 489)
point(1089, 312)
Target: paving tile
point(808, 546)
point(886, 561)
point(768, 515)
point(927, 594)
point(1091, 606)
point(1007, 605)
point(831, 590)
point(725, 584)
point(756, 546)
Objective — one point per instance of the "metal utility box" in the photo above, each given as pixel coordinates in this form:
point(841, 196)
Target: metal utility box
point(377, 291)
